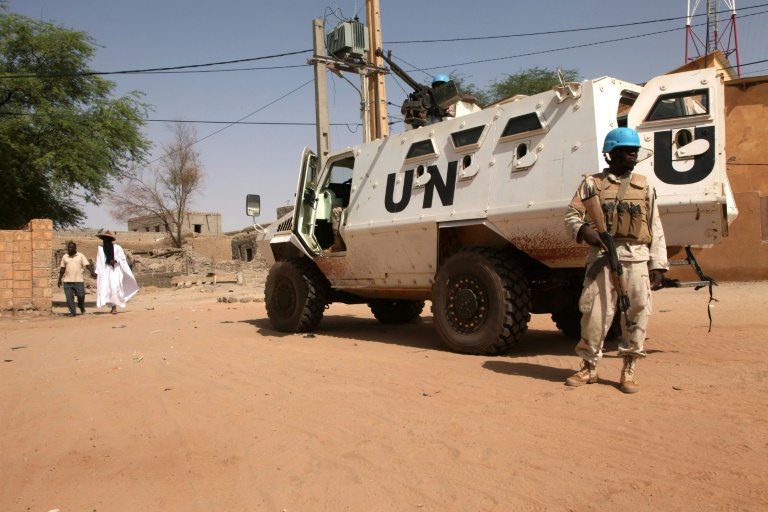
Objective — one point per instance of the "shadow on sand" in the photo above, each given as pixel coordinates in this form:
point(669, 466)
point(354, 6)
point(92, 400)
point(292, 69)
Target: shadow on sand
point(422, 335)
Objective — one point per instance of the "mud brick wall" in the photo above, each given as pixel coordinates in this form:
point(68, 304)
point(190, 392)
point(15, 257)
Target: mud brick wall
point(217, 248)
point(25, 268)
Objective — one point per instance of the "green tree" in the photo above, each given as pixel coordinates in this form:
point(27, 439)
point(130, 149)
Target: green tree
point(528, 82)
point(63, 138)
point(164, 192)
point(465, 88)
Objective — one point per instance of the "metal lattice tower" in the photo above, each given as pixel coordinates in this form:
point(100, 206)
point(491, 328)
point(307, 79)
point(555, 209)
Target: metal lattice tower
point(726, 40)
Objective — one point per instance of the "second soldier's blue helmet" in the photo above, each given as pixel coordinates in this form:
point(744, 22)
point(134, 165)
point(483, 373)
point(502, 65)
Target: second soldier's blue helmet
point(619, 137)
point(440, 79)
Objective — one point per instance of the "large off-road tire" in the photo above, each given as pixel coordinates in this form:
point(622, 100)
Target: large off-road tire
point(568, 320)
point(480, 302)
point(614, 333)
point(296, 293)
point(566, 313)
point(396, 311)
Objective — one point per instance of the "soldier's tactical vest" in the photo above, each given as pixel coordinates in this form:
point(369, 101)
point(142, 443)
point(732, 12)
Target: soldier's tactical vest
point(627, 218)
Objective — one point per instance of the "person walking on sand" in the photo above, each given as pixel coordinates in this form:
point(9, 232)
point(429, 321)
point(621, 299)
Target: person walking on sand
point(115, 283)
point(71, 272)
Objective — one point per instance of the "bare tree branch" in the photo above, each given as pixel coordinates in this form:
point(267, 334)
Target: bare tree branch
point(164, 192)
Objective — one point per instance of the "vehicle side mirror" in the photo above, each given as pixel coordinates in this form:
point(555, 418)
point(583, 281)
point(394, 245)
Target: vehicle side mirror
point(253, 205)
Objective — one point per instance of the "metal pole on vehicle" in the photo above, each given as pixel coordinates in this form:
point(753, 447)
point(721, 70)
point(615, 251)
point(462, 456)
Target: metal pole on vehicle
point(321, 94)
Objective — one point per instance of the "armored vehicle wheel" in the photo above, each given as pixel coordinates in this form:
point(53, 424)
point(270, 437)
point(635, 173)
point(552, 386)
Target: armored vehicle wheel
point(614, 333)
point(295, 295)
point(396, 311)
point(569, 323)
point(568, 317)
point(480, 302)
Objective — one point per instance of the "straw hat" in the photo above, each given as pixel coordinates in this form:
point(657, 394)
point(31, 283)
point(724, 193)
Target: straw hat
point(105, 234)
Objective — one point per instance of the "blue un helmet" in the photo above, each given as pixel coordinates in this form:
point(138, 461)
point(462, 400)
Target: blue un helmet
point(439, 80)
point(619, 137)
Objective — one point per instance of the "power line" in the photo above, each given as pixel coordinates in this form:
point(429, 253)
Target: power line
point(213, 70)
point(557, 49)
point(192, 121)
point(265, 123)
point(551, 32)
point(154, 70)
point(753, 63)
point(175, 69)
point(233, 123)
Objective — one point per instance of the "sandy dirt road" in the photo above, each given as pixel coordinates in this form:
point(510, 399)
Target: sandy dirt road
point(185, 404)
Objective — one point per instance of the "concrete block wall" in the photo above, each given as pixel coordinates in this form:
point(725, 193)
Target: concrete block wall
point(25, 267)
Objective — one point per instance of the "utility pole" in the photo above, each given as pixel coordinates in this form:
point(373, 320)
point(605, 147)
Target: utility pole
point(373, 101)
point(377, 94)
point(321, 93)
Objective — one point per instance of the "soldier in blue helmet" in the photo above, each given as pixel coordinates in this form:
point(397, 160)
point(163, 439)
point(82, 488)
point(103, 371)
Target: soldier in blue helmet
point(628, 203)
point(440, 80)
point(464, 105)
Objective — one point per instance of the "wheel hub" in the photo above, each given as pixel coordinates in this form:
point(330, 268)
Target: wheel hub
point(467, 304)
point(284, 296)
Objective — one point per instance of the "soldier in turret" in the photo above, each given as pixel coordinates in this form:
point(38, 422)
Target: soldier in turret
point(628, 203)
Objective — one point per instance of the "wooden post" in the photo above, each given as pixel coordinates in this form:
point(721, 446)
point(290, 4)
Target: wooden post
point(377, 93)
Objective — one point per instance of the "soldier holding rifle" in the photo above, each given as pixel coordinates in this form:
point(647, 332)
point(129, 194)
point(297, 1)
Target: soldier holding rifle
point(615, 213)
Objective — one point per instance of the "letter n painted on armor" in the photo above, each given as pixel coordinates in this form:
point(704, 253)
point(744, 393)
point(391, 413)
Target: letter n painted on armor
point(389, 195)
point(702, 164)
point(445, 189)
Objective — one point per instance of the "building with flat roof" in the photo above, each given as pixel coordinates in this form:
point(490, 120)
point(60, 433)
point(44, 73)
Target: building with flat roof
point(201, 223)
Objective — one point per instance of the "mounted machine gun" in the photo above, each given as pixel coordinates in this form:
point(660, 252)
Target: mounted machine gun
point(426, 105)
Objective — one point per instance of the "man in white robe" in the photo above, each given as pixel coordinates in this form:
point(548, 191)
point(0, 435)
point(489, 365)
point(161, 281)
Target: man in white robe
point(115, 282)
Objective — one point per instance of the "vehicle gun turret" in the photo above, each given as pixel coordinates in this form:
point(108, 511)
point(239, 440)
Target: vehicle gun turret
point(425, 104)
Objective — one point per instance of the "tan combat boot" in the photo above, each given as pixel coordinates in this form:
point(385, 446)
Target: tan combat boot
point(338, 245)
point(587, 375)
point(628, 382)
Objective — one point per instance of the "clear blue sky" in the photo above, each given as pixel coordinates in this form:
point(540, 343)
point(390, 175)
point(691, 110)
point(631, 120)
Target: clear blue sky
point(263, 159)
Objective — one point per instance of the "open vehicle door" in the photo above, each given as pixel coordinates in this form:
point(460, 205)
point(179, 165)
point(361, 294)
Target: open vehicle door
point(681, 117)
point(306, 202)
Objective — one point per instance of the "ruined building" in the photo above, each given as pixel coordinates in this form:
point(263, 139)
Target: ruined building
point(201, 223)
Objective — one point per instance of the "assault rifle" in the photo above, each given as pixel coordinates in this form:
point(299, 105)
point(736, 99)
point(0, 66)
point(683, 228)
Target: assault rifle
point(591, 201)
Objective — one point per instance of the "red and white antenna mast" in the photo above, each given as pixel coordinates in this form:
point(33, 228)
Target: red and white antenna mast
point(727, 40)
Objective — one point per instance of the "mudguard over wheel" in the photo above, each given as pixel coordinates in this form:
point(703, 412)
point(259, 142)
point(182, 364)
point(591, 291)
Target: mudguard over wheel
point(396, 311)
point(481, 302)
point(296, 293)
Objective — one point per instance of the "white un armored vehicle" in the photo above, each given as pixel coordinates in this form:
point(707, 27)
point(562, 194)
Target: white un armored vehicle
point(468, 212)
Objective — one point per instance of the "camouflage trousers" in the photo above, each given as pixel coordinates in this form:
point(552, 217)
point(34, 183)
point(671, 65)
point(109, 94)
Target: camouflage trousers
point(598, 306)
point(336, 219)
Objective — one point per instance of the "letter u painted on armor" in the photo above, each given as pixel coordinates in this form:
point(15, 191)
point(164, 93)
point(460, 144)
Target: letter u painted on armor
point(389, 195)
point(702, 164)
